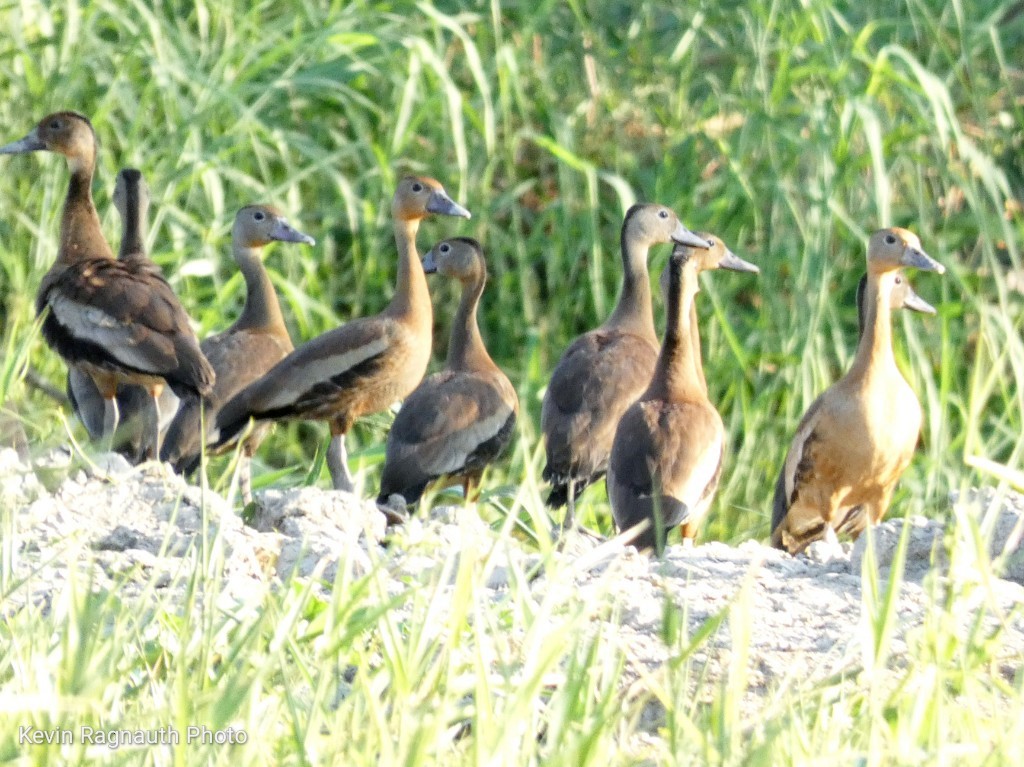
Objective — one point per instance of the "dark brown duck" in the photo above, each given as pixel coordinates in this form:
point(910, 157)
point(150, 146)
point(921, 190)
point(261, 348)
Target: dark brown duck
point(117, 321)
point(244, 352)
point(458, 420)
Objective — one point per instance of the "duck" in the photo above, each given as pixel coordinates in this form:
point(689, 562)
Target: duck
point(459, 420)
point(718, 256)
point(117, 321)
point(667, 453)
point(134, 404)
point(248, 349)
point(605, 370)
point(857, 438)
point(361, 367)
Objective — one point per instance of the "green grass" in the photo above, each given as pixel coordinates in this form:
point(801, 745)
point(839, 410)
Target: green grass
point(792, 130)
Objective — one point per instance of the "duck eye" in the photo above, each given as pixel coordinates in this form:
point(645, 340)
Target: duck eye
point(259, 215)
point(890, 239)
point(899, 280)
point(445, 248)
point(55, 124)
point(417, 187)
point(662, 214)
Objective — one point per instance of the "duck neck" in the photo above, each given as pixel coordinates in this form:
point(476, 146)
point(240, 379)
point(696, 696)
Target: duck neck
point(466, 349)
point(411, 297)
point(634, 312)
point(262, 309)
point(874, 350)
point(133, 238)
point(80, 233)
point(698, 360)
point(675, 375)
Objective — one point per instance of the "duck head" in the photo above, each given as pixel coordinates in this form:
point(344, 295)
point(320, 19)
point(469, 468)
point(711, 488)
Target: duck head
point(258, 225)
point(458, 257)
point(717, 256)
point(130, 191)
point(895, 247)
point(67, 133)
point(418, 196)
point(651, 224)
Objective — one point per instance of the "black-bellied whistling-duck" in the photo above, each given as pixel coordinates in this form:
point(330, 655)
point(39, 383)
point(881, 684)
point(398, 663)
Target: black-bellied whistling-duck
point(666, 458)
point(363, 366)
point(858, 436)
point(256, 342)
point(605, 370)
point(118, 321)
point(459, 420)
point(134, 437)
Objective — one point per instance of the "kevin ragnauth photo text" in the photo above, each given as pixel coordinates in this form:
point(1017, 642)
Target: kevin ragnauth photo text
point(115, 738)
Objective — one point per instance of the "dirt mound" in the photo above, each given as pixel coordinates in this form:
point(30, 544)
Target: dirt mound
point(798, 617)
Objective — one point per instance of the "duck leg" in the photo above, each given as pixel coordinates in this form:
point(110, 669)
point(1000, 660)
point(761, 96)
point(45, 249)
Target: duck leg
point(337, 462)
point(470, 486)
point(152, 426)
point(245, 478)
point(107, 386)
point(111, 416)
point(689, 531)
point(569, 521)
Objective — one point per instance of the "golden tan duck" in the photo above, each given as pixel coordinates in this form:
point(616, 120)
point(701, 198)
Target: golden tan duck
point(118, 321)
point(605, 370)
point(256, 342)
point(134, 404)
point(857, 438)
point(666, 458)
point(363, 366)
point(459, 420)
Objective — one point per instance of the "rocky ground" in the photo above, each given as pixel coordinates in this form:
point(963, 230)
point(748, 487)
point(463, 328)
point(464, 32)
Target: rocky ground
point(802, 614)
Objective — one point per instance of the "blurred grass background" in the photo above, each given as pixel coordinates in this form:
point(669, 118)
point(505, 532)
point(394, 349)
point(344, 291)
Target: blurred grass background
point(790, 129)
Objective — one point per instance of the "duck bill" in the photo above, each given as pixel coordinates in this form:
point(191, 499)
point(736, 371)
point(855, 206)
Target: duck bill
point(31, 143)
point(443, 205)
point(737, 264)
point(684, 236)
point(430, 262)
point(285, 232)
point(918, 259)
point(916, 303)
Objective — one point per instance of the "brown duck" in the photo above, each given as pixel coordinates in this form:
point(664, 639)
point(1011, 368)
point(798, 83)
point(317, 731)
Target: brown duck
point(666, 458)
point(858, 436)
point(363, 366)
point(605, 370)
point(459, 420)
point(256, 342)
point(117, 321)
point(134, 404)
